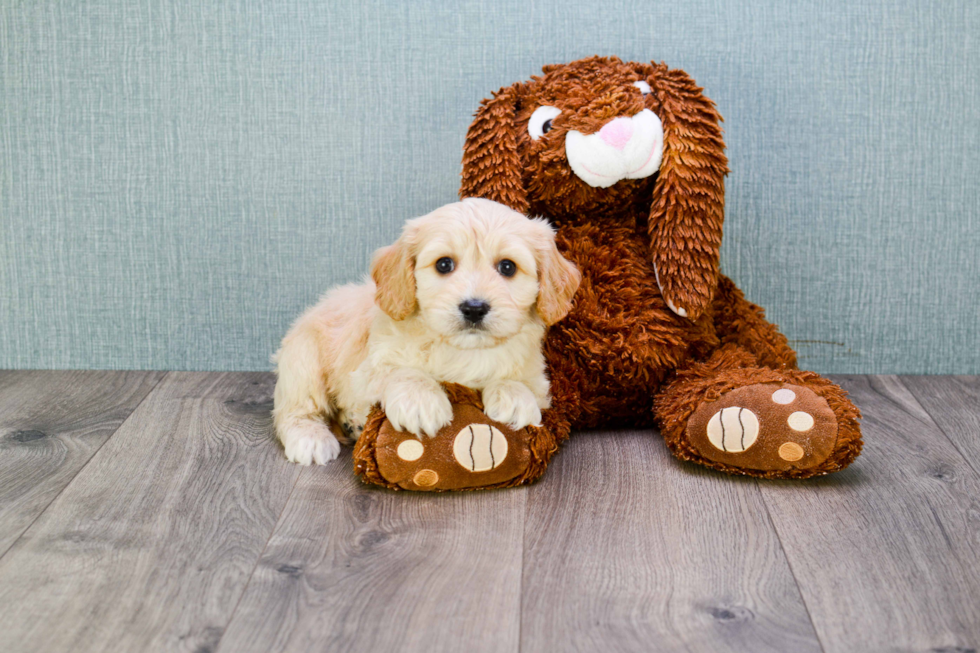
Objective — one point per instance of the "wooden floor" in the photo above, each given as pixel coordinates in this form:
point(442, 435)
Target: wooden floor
point(154, 512)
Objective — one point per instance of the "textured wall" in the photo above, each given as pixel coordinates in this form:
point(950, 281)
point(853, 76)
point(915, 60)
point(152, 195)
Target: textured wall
point(179, 179)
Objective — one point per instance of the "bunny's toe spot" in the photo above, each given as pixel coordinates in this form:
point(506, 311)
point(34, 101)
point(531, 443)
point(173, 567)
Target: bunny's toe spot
point(426, 478)
point(800, 421)
point(790, 451)
point(783, 396)
point(410, 450)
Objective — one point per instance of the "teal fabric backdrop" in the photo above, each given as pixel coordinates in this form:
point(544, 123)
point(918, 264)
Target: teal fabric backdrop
point(178, 179)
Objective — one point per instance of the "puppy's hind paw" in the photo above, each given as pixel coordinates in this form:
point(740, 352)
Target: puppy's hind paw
point(310, 442)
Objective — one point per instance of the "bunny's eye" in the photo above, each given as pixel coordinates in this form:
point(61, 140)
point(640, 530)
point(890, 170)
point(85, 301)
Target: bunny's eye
point(643, 86)
point(540, 122)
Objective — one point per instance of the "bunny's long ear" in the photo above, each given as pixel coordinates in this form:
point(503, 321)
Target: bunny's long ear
point(689, 196)
point(491, 163)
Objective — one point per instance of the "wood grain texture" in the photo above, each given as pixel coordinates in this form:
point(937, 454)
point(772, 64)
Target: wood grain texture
point(628, 549)
point(885, 552)
point(51, 423)
point(151, 546)
point(180, 533)
point(358, 568)
point(953, 403)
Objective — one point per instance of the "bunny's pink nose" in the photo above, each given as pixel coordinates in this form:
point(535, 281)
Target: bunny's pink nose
point(617, 132)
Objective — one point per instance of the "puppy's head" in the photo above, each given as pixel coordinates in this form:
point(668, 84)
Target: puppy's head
point(476, 272)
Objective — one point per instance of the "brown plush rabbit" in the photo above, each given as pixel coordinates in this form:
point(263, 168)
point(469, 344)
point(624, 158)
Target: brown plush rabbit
point(627, 160)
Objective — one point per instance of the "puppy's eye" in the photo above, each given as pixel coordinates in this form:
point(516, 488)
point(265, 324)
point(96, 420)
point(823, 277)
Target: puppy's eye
point(507, 268)
point(540, 122)
point(644, 87)
point(445, 265)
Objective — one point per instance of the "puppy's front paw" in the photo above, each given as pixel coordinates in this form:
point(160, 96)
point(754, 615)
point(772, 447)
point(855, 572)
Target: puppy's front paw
point(418, 409)
point(511, 403)
point(309, 442)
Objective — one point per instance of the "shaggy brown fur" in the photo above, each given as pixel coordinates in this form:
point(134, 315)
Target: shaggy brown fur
point(622, 357)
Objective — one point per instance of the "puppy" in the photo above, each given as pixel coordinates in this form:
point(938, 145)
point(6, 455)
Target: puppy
point(464, 296)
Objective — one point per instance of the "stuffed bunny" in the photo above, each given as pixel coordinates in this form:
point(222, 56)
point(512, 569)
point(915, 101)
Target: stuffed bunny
point(627, 161)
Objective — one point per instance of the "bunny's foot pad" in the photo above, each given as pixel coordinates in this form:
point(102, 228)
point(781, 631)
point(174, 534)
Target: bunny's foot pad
point(472, 452)
point(766, 427)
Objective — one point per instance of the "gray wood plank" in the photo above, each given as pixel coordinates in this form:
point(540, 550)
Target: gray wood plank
point(152, 544)
point(51, 424)
point(953, 403)
point(628, 549)
point(357, 568)
point(885, 552)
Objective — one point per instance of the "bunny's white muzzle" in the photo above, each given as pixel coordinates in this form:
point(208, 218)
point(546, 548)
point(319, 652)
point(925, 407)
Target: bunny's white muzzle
point(625, 148)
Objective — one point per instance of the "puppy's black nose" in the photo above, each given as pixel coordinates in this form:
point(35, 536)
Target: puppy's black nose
point(474, 310)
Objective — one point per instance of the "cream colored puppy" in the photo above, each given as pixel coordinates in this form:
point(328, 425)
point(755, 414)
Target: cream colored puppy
point(464, 296)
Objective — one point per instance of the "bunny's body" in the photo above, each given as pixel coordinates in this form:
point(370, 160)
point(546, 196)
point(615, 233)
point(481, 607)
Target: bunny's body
point(627, 160)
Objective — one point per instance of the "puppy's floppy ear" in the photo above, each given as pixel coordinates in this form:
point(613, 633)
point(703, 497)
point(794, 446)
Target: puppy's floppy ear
point(491, 163)
point(393, 271)
point(558, 278)
point(689, 196)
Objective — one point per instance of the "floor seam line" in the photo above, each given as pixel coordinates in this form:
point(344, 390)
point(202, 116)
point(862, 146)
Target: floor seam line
point(789, 564)
point(520, 603)
point(932, 420)
point(86, 464)
point(258, 559)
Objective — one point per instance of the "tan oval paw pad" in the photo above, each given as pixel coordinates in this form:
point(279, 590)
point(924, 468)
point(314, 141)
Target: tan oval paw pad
point(733, 429)
point(480, 447)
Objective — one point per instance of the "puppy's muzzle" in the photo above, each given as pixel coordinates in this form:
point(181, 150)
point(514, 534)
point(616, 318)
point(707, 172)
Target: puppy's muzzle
point(474, 310)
